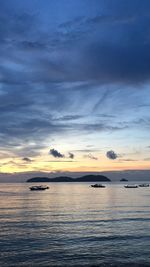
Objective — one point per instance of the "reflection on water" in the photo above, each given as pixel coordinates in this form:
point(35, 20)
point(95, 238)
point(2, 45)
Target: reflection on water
point(74, 225)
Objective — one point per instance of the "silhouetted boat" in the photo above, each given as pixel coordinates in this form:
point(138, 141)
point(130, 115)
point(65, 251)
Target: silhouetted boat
point(38, 187)
point(131, 186)
point(98, 185)
point(143, 185)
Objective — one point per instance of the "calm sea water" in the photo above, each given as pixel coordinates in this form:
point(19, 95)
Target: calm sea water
point(74, 225)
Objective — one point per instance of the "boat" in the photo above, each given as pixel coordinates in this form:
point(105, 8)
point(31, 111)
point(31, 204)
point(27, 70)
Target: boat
point(98, 185)
point(38, 187)
point(143, 185)
point(131, 186)
point(123, 180)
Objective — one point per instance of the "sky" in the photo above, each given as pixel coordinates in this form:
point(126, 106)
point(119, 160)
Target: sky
point(74, 86)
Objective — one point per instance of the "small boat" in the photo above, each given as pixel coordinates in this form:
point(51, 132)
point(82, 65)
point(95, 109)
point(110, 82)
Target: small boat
point(38, 187)
point(143, 185)
point(131, 186)
point(98, 185)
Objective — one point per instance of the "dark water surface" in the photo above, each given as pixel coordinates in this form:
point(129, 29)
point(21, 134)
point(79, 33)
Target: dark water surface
point(74, 225)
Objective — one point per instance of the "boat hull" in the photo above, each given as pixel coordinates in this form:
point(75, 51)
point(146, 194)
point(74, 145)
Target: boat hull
point(131, 186)
point(38, 188)
point(98, 186)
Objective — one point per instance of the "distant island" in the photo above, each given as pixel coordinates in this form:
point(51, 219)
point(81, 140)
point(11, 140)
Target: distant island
point(86, 178)
point(123, 180)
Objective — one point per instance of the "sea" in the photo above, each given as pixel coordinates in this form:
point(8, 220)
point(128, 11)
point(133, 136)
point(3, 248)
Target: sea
point(73, 224)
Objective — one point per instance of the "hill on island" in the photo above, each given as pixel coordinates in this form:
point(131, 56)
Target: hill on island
point(86, 178)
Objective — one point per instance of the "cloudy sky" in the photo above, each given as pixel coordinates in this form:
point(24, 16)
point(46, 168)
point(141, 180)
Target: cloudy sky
point(74, 85)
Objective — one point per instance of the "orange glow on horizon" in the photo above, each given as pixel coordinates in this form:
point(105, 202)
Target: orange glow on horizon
point(72, 166)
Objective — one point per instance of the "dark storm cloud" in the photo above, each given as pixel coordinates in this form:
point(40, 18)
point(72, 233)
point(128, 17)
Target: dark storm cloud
point(48, 67)
point(56, 154)
point(71, 155)
point(111, 155)
point(111, 54)
point(28, 160)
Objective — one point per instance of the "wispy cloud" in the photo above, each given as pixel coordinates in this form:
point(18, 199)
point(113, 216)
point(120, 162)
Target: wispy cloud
point(90, 156)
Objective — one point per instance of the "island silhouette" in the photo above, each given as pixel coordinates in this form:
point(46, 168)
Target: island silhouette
point(85, 178)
